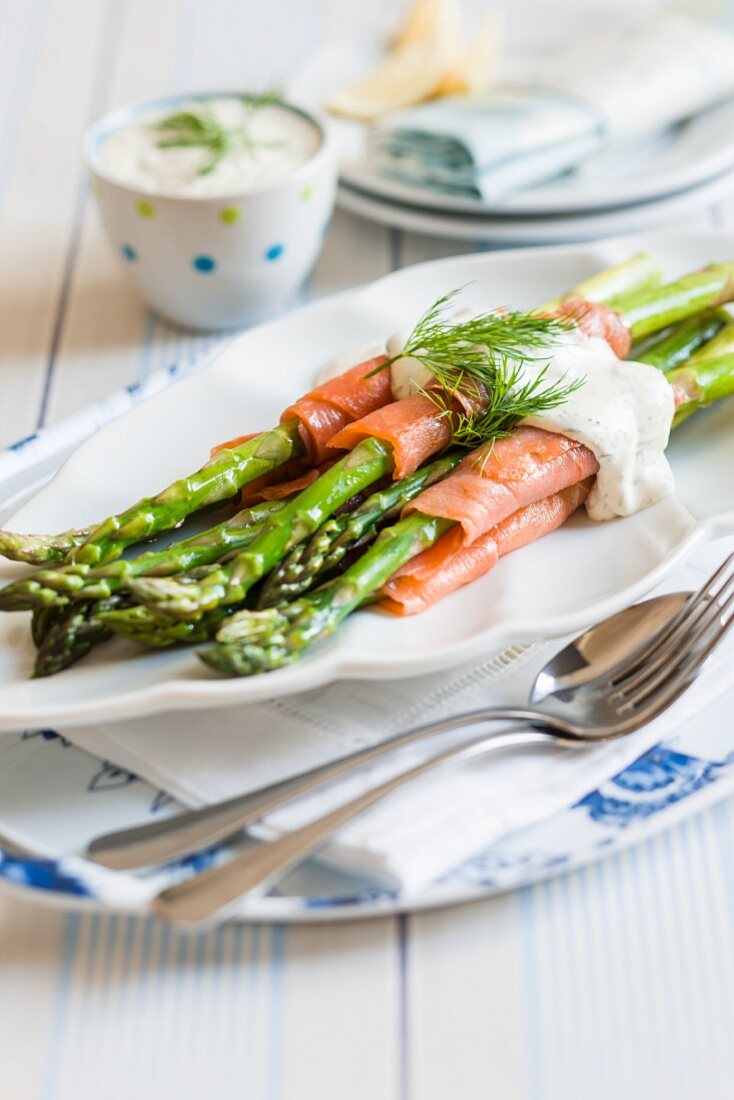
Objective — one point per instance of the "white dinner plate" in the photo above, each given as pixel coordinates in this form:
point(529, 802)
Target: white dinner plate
point(691, 153)
point(535, 230)
point(583, 572)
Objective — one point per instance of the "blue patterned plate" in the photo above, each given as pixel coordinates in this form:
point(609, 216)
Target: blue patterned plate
point(55, 797)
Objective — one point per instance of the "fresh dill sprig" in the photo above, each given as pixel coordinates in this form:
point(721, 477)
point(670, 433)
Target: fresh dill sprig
point(509, 401)
point(255, 100)
point(484, 357)
point(198, 127)
point(455, 350)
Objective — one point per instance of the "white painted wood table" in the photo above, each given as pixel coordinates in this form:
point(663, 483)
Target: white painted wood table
point(617, 981)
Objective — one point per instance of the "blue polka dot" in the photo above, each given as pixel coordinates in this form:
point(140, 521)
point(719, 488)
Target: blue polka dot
point(204, 264)
point(129, 252)
point(275, 252)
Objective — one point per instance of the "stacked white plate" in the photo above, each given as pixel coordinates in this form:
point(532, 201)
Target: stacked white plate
point(623, 189)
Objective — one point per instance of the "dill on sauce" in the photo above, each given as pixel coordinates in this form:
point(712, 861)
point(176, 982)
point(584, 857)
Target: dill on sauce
point(198, 127)
point(487, 353)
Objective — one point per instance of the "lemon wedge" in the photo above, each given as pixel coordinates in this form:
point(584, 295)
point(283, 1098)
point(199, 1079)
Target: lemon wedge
point(414, 70)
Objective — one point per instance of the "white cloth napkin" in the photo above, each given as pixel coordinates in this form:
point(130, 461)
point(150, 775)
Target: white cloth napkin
point(431, 826)
point(619, 83)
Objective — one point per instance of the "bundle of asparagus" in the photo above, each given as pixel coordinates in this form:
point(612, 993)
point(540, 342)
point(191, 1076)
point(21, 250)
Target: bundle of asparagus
point(262, 586)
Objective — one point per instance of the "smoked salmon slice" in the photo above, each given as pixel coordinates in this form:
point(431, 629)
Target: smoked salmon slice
point(496, 480)
point(416, 427)
point(450, 564)
point(327, 409)
point(296, 484)
point(232, 443)
point(255, 490)
point(597, 319)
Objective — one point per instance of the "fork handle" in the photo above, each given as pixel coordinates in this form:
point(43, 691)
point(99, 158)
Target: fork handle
point(173, 837)
point(257, 869)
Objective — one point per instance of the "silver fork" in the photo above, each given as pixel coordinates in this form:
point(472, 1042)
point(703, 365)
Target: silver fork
point(637, 691)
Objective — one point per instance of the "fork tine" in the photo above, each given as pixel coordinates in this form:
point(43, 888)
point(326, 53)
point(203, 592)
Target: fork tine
point(684, 640)
point(684, 664)
point(672, 630)
point(678, 683)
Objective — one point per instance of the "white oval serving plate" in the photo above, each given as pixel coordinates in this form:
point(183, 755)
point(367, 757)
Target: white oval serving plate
point(582, 573)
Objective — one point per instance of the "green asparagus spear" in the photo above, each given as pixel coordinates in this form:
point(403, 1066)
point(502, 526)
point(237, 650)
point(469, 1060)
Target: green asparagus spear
point(648, 311)
point(47, 587)
point(72, 634)
point(39, 549)
point(145, 627)
point(220, 478)
point(370, 460)
point(259, 641)
point(680, 343)
point(707, 376)
point(640, 272)
point(42, 620)
point(721, 345)
point(344, 533)
point(703, 382)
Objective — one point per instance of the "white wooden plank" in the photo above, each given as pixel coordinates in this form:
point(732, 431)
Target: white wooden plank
point(416, 249)
point(31, 949)
point(149, 1012)
point(41, 201)
point(107, 335)
point(238, 45)
point(340, 1019)
point(355, 252)
point(623, 999)
point(466, 995)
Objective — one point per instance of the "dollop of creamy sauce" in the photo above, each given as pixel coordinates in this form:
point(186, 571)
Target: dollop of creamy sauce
point(280, 140)
point(622, 411)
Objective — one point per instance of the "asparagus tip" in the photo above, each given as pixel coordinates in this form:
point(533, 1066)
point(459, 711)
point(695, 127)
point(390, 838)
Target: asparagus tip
point(163, 594)
point(245, 659)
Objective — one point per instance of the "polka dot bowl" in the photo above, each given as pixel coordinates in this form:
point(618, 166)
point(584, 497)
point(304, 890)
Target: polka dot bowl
point(215, 262)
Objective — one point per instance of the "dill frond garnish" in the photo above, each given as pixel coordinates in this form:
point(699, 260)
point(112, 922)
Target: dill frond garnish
point(198, 127)
point(510, 400)
point(487, 352)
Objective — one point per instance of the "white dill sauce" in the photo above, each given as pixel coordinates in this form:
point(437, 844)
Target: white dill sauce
point(279, 140)
point(622, 411)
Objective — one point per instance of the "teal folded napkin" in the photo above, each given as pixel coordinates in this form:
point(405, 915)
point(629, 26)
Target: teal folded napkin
point(621, 82)
point(486, 146)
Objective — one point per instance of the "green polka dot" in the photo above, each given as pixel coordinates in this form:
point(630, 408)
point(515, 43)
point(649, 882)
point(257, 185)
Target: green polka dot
point(229, 215)
point(145, 209)
point(94, 184)
point(307, 193)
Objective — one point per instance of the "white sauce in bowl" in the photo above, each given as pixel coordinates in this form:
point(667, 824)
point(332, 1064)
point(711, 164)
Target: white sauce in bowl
point(281, 141)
